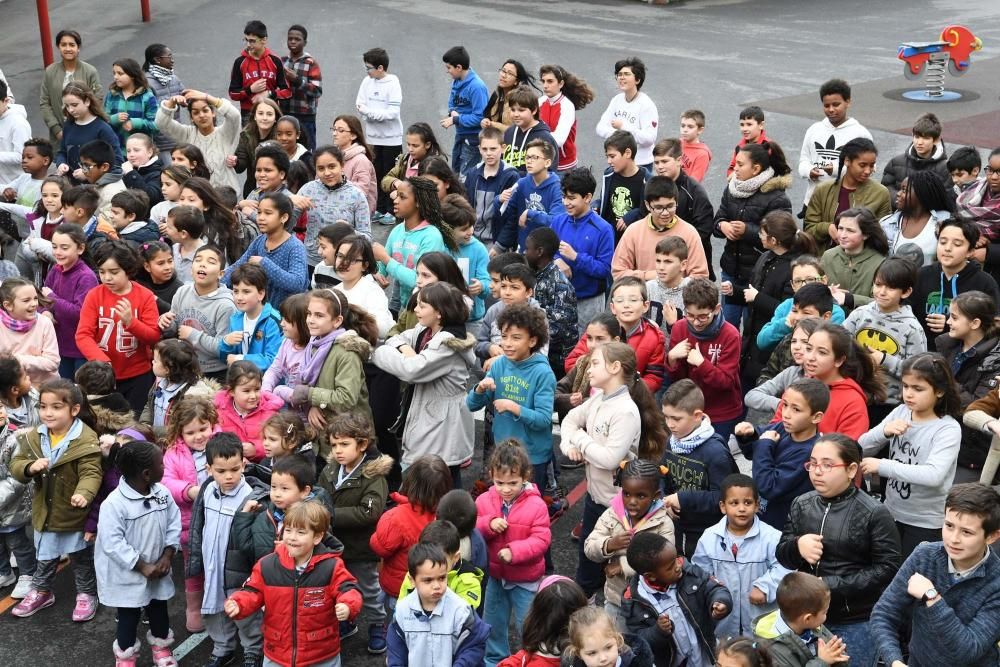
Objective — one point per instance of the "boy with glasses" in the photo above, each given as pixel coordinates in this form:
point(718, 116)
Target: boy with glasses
point(257, 72)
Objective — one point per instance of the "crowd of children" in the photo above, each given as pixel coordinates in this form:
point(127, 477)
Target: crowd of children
point(241, 383)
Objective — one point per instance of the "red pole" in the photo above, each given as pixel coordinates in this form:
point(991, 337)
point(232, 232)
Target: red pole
point(144, 4)
point(44, 31)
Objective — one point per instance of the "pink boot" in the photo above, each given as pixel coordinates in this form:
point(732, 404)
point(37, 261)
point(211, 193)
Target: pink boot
point(127, 657)
point(193, 620)
point(162, 655)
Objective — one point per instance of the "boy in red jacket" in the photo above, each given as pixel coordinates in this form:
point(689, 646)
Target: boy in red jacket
point(257, 73)
point(303, 588)
point(706, 349)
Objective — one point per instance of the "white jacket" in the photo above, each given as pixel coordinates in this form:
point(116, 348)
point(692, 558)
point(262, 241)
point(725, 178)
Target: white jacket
point(381, 100)
point(639, 117)
point(822, 145)
point(14, 131)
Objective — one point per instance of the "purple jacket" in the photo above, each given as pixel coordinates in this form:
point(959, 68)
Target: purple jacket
point(69, 288)
point(109, 482)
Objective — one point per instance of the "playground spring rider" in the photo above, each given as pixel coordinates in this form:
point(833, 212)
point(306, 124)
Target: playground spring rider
point(953, 52)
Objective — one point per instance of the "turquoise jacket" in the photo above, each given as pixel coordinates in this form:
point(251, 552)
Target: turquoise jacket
point(264, 342)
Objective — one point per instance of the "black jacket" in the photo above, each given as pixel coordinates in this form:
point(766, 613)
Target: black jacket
point(902, 165)
point(697, 591)
point(740, 256)
point(146, 179)
point(693, 206)
point(933, 292)
point(861, 549)
point(772, 276)
point(975, 378)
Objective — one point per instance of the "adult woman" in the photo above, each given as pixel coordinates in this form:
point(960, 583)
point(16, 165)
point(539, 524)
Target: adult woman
point(851, 264)
point(512, 74)
point(158, 64)
point(215, 142)
point(58, 75)
point(844, 536)
point(349, 137)
point(922, 204)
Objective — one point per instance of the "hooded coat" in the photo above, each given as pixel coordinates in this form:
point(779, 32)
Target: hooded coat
point(740, 256)
point(356, 505)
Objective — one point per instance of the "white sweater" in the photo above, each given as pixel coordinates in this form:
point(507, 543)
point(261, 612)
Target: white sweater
point(822, 145)
point(14, 131)
point(381, 100)
point(639, 117)
point(216, 147)
point(368, 295)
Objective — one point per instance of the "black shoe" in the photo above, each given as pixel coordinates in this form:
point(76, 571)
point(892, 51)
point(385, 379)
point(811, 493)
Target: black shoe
point(221, 660)
point(252, 660)
point(347, 629)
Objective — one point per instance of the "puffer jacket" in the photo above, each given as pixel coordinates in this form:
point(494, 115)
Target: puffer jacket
point(527, 536)
point(902, 165)
point(861, 549)
point(179, 475)
point(740, 256)
point(975, 380)
point(357, 504)
point(615, 522)
point(248, 427)
point(772, 276)
point(15, 496)
point(341, 386)
point(397, 531)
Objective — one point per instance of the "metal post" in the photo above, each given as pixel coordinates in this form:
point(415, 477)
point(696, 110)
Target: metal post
point(144, 5)
point(44, 31)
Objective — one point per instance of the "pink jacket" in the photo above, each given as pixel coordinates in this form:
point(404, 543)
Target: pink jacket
point(528, 534)
point(37, 350)
point(248, 427)
point(359, 170)
point(179, 475)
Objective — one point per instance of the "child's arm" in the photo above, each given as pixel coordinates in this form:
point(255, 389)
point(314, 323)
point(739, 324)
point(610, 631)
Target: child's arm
point(386, 540)
point(429, 365)
point(623, 261)
point(772, 332)
point(86, 331)
point(573, 424)
point(767, 583)
point(766, 397)
point(275, 370)
point(656, 365)
point(349, 379)
point(407, 277)
point(604, 127)
point(716, 592)
point(67, 308)
point(478, 97)
point(553, 208)
point(892, 611)
point(210, 344)
point(595, 547)
point(147, 122)
point(345, 588)
point(539, 415)
point(597, 265)
point(875, 438)
point(250, 598)
point(649, 118)
point(533, 547)
point(936, 467)
point(89, 475)
point(114, 546)
point(622, 432)
point(471, 647)
point(175, 480)
point(885, 557)
point(700, 556)
point(144, 322)
point(293, 277)
point(397, 654)
point(780, 477)
point(719, 466)
point(476, 400)
point(47, 358)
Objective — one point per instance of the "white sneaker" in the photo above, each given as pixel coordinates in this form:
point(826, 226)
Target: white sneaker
point(7, 579)
point(23, 587)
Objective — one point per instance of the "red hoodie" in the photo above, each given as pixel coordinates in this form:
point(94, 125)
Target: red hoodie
point(695, 159)
point(718, 376)
point(101, 335)
point(848, 410)
point(397, 531)
point(247, 70)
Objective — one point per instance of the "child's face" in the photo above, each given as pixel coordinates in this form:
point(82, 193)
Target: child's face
point(952, 248)
point(51, 197)
point(31, 161)
point(270, 220)
point(550, 84)
point(425, 276)
point(490, 151)
point(286, 136)
point(267, 175)
point(666, 165)
point(820, 361)
point(196, 433)
point(350, 265)
point(190, 198)
point(862, 167)
point(327, 251)
point(740, 507)
point(599, 649)
point(55, 412)
point(681, 423)
point(285, 491)
point(796, 414)
point(160, 267)
point(347, 451)
point(618, 161)
point(750, 128)
point(597, 334)
point(662, 209)
point(227, 473)
point(514, 291)
point(745, 169)
point(74, 214)
point(799, 313)
point(430, 581)
point(246, 395)
point(924, 146)
point(668, 568)
point(690, 130)
point(835, 108)
point(494, 284)
point(427, 315)
point(508, 484)
point(959, 177)
point(464, 234)
point(849, 236)
point(626, 80)
point(120, 218)
point(93, 171)
point(300, 542)
point(272, 442)
point(669, 269)
point(532, 253)
point(600, 372)
point(289, 330)
point(442, 186)
point(265, 117)
point(628, 305)
point(700, 318)
point(964, 537)
point(521, 116)
point(155, 469)
point(113, 276)
point(576, 205)
point(404, 205)
point(517, 343)
point(918, 394)
point(177, 157)
point(121, 79)
point(961, 325)
point(24, 305)
point(805, 274)
point(798, 347)
point(417, 147)
point(638, 495)
point(137, 152)
point(329, 171)
point(535, 162)
point(248, 298)
point(319, 320)
point(888, 298)
point(159, 370)
point(75, 107)
point(206, 269)
point(818, 618)
point(993, 174)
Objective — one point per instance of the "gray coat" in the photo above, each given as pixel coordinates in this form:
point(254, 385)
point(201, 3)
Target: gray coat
point(438, 421)
point(15, 500)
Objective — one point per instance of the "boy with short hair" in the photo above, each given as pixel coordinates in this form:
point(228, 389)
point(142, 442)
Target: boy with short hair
point(459, 507)
point(524, 128)
point(212, 516)
point(816, 301)
point(706, 349)
point(15, 130)
point(739, 552)
point(466, 105)
point(258, 72)
point(305, 81)
point(463, 578)
point(696, 154)
point(483, 182)
point(379, 100)
point(255, 326)
point(636, 252)
point(964, 166)
point(185, 227)
point(926, 152)
point(516, 286)
point(96, 380)
point(101, 168)
point(666, 299)
point(496, 266)
point(821, 145)
point(629, 304)
point(303, 587)
point(948, 591)
point(534, 200)
point(433, 626)
point(586, 244)
point(751, 132)
point(129, 213)
point(624, 180)
point(673, 604)
point(24, 189)
point(79, 206)
point(794, 631)
point(554, 293)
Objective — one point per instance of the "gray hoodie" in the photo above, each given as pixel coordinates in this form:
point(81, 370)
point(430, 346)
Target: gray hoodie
point(898, 334)
point(209, 316)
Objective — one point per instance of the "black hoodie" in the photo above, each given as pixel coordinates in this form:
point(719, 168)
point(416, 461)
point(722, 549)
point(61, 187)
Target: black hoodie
point(933, 292)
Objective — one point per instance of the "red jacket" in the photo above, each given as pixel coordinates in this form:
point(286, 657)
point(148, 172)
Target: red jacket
point(397, 531)
point(525, 659)
point(101, 336)
point(719, 375)
point(648, 342)
point(248, 427)
point(549, 112)
point(247, 69)
point(848, 410)
point(528, 534)
point(300, 623)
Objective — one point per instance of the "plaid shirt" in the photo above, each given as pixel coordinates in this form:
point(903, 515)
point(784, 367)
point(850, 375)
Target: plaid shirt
point(307, 88)
point(141, 109)
point(556, 296)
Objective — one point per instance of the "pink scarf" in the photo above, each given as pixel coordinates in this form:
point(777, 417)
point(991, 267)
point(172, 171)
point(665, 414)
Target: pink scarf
point(18, 326)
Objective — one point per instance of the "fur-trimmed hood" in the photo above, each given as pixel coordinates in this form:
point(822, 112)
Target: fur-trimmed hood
point(352, 342)
point(460, 344)
point(777, 183)
point(377, 467)
point(109, 421)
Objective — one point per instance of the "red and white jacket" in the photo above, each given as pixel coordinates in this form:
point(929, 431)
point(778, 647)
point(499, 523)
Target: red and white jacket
point(559, 114)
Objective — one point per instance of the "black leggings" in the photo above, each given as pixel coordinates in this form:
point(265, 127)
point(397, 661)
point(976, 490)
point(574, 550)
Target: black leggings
point(128, 622)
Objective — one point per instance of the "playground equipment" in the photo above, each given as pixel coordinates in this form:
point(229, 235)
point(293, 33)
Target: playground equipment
point(952, 52)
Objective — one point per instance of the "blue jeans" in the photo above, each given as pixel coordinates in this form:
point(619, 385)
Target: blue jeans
point(500, 602)
point(18, 543)
point(858, 638)
point(308, 126)
point(465, 154)
point(733, 312)
point(69, 366)
point(589, 575)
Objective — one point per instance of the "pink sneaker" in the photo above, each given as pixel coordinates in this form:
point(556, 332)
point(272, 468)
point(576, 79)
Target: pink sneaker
point(86, 607)
point(34, 602)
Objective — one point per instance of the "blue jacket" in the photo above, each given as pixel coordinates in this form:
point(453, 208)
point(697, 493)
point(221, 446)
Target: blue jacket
point(593, 239)
point(542, 202)
point(469, 97)
point(754, 565)
point(265, 341)
point(532, 385)
point(478, 257)
point(779, 470)
point(516, 140)
point(960, 630)
point(481, 190)
point(772, 333)
point(285, 267)
point(452, 635)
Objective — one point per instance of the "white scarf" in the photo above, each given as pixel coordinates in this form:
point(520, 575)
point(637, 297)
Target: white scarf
point(743, 189)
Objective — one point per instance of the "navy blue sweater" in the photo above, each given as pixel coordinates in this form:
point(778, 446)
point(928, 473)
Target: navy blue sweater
point(779, 470)
point(75, 136)
point(960, 630)
point(696, 478)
